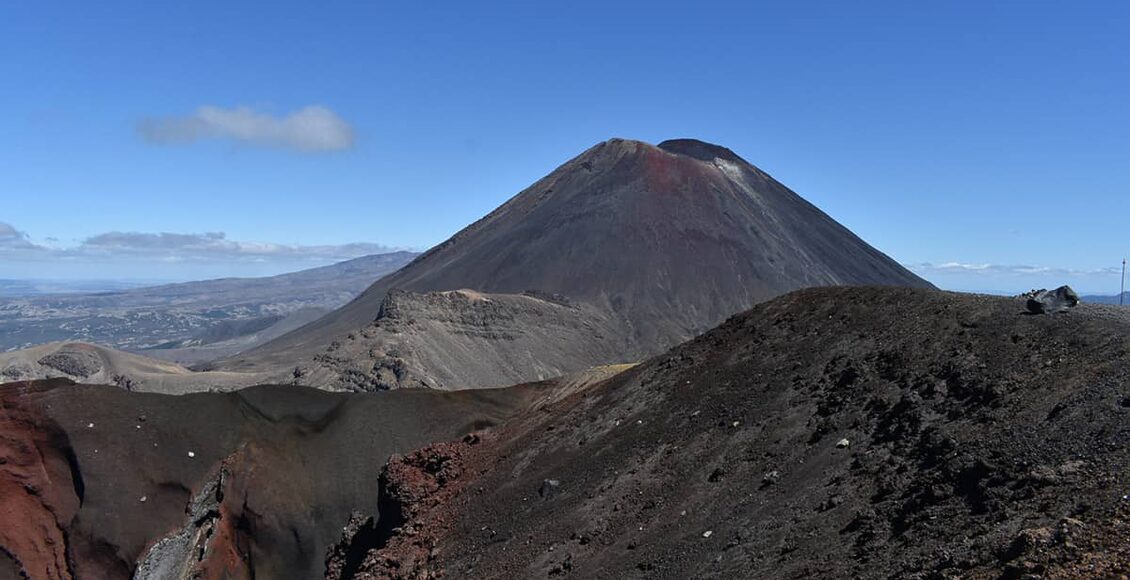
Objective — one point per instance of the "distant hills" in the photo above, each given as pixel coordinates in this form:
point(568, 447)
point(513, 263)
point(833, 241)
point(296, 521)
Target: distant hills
point(652, 245)
point(191, 321)
point(1107, 299)
point(101, 365)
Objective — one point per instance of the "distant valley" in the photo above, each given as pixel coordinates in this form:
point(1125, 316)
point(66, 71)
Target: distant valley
point(194, 321)
point(23, 288)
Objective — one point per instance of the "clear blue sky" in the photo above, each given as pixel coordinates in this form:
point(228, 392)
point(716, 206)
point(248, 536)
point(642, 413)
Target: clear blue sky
point(950, 133)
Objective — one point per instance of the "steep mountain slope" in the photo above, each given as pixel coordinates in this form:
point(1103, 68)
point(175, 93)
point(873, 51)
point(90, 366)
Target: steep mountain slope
point(213, 317)
point(666, 240)
point(830, 433)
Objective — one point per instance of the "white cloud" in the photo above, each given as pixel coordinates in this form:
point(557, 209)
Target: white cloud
point(1002, 269)
point(310, 129)
point(12, 239)
point(172, 247)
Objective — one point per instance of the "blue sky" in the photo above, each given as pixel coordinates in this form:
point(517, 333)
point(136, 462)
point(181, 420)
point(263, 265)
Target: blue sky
point(987, 145)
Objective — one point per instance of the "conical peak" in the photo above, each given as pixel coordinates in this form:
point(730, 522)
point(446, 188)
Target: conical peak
point(619, 145)
point(692, 148)
point(699, 150)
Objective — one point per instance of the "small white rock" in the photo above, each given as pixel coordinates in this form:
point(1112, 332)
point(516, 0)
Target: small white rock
point(708, 533)
point(191, 454)
point(90, 425)
point(736, 423)
point(143, 498)
point(843, 443)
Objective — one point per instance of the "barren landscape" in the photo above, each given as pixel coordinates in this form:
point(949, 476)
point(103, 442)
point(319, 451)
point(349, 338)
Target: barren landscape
point(520, 403)
point(190, 322)
point(699, 233)
point(566, 291)
point(841, 432)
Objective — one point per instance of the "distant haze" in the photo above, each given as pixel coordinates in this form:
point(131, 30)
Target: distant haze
point(1012, 280)
point(163, 256)
point(103, 276)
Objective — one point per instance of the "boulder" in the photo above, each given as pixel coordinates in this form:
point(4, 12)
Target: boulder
point(1058, 300)
point(78, 361)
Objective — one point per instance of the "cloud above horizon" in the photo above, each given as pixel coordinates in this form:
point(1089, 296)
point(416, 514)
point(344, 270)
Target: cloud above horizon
point(174, 247)
point(13, 239)
point(1002, 269)
point(311, 129)
point(1010, 279)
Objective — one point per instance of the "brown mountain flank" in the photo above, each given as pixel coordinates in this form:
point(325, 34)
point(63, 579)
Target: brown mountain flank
point(662, 242)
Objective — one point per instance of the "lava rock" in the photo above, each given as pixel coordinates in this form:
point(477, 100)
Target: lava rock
point(77, 362)
point(548, 488)
point(1058, 300)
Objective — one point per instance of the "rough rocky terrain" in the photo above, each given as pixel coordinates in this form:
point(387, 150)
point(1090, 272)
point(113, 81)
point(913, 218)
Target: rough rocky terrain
point(464, 339)
point(666, 241)
point(95, 364)
point(98, 482)
point(830, 433)
point(192, 321)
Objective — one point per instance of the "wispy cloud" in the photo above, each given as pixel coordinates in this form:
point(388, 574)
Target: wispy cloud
point(13, 239)
point(174, 247)
point(1002, 269)
point(310, 129)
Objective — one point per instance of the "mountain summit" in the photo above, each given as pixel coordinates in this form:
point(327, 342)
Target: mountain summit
point(668, 240)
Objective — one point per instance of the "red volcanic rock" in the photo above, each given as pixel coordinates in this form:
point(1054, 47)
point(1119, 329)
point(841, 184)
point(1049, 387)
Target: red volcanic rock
point(415, 495)
point(40, 491)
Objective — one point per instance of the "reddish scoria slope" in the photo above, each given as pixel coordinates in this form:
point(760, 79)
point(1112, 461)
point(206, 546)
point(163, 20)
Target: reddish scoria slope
point(830, 433)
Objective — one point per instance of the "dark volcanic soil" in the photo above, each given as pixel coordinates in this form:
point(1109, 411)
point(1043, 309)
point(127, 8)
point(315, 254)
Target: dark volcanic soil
point(830, 433)
point(256, 483)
